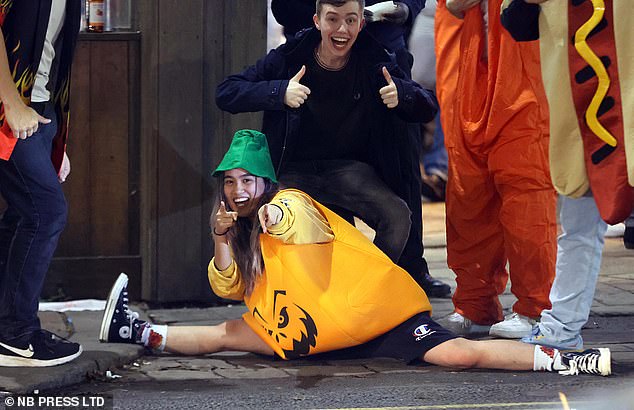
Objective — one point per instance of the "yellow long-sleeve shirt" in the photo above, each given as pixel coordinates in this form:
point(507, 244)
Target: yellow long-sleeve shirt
point(301, 224)
point(325, 285)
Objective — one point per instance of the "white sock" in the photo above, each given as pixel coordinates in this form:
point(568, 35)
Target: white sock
point(154, 337)
point(547, 359)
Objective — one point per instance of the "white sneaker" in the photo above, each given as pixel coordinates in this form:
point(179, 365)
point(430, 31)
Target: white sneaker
point(514, 326)
point(462, 326)
point(615, 231)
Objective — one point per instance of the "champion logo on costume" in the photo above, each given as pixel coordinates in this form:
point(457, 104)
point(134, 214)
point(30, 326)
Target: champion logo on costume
point(292, 327)
point(28, 352)
point(422, 332)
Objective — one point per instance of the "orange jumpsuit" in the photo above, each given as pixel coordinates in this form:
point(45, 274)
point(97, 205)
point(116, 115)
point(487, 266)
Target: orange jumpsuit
point(500, 202)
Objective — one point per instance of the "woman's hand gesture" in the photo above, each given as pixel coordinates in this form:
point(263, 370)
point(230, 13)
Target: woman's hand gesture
point(269, 215)
point(223, 220)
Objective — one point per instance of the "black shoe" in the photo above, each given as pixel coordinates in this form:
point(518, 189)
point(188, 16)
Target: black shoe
point(434, 185)
point(119, 323)
point(591, 361)
point(628, 237)
point(435, 288)
point(38, 349)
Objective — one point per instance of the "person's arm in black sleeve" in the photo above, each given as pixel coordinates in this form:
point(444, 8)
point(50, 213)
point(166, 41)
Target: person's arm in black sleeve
point(415, 7)
point(415, 103)
point(401, 13)
point(521, 19)
point(260, 87)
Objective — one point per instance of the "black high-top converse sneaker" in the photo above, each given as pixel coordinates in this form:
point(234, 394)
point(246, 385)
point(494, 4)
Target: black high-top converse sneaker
point(591, 361)
point(119, 323)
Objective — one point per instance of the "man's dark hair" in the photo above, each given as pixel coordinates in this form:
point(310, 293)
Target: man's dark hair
point(336, 3)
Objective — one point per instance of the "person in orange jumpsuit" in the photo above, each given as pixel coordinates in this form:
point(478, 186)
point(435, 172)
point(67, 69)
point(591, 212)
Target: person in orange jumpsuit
point(500, 202)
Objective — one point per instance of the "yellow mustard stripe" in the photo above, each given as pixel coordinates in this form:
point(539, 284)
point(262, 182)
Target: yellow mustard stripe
point(604, 80)
point(564, 401)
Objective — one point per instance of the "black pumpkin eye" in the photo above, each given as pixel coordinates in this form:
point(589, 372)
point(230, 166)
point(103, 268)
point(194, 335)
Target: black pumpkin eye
point(282, 320)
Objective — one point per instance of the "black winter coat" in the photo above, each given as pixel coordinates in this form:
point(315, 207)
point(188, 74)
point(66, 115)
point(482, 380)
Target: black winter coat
point(262, 86)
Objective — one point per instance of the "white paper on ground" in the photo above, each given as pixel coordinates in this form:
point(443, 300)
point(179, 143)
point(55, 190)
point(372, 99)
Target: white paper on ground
point(76, 305)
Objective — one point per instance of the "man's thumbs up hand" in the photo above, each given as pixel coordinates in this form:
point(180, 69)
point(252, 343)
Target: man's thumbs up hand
point(296, 93)
point(389, 93)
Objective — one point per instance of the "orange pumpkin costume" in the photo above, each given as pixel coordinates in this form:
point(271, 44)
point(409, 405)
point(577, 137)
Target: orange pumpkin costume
point(321, 290)
point(500, 201)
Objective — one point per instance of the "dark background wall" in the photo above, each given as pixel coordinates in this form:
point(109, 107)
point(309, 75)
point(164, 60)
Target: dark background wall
point(187, 48)
point(145, 134)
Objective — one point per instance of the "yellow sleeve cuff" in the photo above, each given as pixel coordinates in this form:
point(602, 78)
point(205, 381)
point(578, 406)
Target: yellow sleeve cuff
point(226, 283)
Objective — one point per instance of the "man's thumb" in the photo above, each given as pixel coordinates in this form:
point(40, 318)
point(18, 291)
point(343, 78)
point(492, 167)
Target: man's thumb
point(299, 74)
point(387, 76)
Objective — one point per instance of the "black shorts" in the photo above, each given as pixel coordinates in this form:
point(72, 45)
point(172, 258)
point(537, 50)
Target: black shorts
point(408, 341)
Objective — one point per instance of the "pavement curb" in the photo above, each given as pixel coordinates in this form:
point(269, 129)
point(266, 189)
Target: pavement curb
point(95, 359)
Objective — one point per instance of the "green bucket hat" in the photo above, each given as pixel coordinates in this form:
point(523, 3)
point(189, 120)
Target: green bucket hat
point(250, 151)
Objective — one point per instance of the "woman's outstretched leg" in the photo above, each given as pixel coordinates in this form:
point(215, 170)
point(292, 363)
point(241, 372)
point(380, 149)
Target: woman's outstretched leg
point(233, 335)
point(512, 355)
point(483, 354)
point(121, 325)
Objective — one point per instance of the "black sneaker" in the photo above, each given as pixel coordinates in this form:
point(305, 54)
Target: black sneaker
point(38, 349)
point(119, 323)
point(628, 237)
point(435, 288)
point(591, 361)
point(434, 185)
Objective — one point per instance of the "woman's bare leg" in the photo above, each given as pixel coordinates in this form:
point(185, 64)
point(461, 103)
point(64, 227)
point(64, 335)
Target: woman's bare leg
point(234, 335)
point(485, 354)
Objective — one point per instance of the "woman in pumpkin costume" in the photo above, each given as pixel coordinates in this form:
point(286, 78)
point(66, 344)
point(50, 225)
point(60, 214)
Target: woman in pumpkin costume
point(309, 279)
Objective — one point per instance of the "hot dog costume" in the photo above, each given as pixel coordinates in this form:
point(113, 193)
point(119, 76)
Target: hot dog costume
point(579, 158)
point(587, 67)
point(500, 202)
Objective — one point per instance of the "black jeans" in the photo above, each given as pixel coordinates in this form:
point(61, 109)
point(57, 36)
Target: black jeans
point(355, 186)
point(29, 228)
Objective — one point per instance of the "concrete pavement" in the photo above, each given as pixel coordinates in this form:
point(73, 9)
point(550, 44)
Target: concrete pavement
point(614, 298)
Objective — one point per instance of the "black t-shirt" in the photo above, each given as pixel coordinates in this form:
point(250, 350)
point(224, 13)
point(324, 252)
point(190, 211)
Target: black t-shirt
point(333, 121)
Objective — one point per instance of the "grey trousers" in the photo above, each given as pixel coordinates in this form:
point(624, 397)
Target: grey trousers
point(356, 187)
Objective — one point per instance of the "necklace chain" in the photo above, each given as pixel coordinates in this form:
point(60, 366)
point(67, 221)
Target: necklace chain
point(325, 66)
